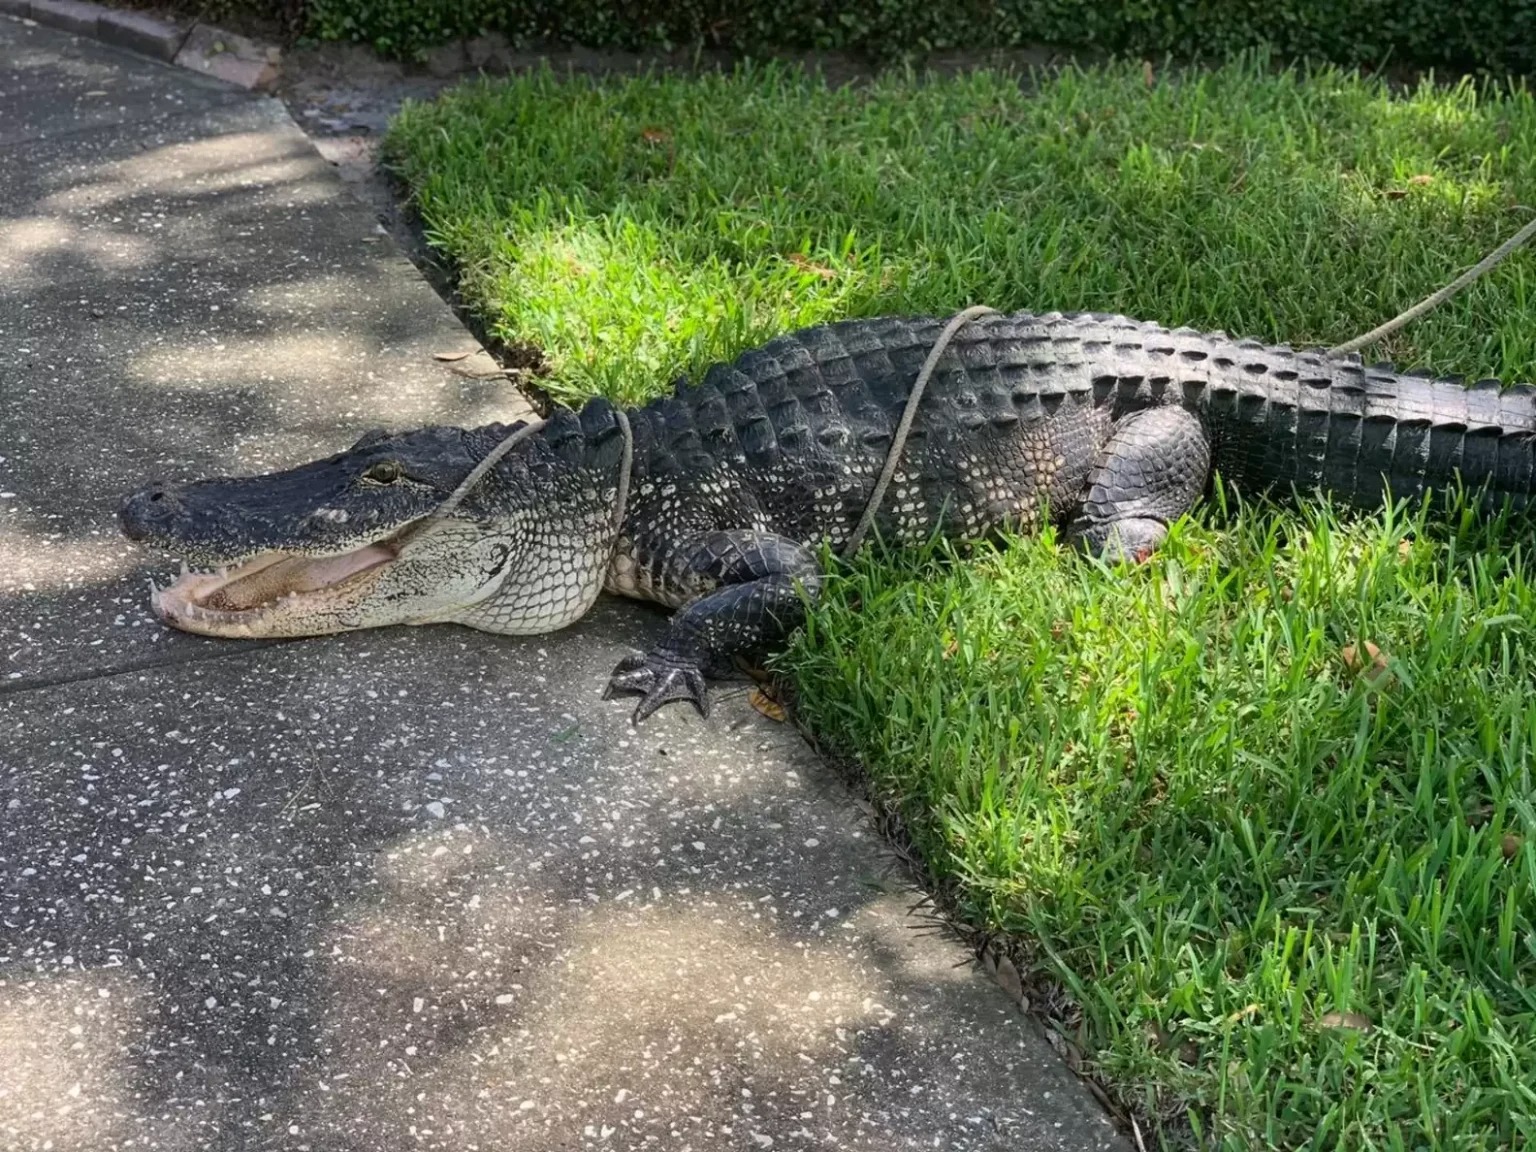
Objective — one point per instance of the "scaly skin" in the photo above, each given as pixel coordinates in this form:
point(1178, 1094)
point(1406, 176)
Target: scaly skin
point(1113, 424)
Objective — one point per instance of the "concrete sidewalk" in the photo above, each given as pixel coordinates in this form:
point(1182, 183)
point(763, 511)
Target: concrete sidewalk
point(411, 888)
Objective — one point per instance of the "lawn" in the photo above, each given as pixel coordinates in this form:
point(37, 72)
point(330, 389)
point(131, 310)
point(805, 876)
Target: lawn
point(1264, 807)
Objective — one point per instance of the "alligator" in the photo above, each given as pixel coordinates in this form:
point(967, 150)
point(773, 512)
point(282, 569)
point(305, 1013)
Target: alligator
point(1107, 427)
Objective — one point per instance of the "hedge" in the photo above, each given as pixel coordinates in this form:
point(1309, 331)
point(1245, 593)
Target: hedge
point(1492, 36)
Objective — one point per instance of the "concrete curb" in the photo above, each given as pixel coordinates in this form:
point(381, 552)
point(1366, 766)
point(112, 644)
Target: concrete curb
point(198, 47)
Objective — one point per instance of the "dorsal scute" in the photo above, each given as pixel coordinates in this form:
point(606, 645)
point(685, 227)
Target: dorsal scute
point(604, 437)
point(564, 435)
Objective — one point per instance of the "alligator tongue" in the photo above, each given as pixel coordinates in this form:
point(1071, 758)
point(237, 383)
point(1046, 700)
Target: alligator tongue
point(292, 574)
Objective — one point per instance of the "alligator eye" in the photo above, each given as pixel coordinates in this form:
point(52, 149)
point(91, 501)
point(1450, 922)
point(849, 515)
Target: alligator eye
point(384, 472)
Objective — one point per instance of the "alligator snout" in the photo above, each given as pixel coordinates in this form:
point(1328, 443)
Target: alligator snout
point(147, 513)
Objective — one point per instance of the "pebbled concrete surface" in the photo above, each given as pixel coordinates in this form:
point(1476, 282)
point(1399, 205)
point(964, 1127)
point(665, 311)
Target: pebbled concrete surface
point(412, 888)
point(183, 294)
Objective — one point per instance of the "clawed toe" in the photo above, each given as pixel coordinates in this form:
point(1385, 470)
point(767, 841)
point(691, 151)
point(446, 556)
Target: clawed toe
point(658, 680)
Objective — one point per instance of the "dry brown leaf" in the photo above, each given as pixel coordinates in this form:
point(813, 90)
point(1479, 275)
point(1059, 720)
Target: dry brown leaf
point(806, 264)
point(766, 705)
point(1007, 977)
point(1073, 1055)
point(1345, 1020)
point(655, 135)
point(449, 357)
point(477, 366)
point(1372, 663)
point(1421, 179)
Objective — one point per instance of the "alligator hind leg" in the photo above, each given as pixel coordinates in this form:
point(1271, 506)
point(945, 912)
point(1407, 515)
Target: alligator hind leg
point(1150, 473)
point(757, 604)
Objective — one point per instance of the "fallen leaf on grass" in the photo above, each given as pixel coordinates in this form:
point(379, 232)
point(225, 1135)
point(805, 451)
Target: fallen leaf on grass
point(766, 705)
point(1372, 663)
point(1351, 1020)
point(1421, 179)
point(1242, 1013)
point(806, 264)
point(655, 135)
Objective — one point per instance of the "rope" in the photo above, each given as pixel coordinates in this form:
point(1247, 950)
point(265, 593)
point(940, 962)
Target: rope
point(1476, 272)
point(908, 415)
point(477, 473)
point(914, 399)
point(626, 467)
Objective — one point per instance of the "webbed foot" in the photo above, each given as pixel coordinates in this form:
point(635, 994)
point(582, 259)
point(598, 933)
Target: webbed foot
point(659, 679)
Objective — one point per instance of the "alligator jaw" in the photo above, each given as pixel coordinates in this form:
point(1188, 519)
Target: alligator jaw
point(271, 594)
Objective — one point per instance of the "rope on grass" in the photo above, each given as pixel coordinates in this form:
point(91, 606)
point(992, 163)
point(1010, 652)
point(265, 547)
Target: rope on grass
point(1471, 275)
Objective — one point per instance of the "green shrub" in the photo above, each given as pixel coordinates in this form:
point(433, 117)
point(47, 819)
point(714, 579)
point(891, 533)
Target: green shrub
point(1489, 35)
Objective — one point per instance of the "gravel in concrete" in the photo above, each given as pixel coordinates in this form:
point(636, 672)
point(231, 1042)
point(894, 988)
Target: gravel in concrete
point(411, 888)
point(428, 883)
point(181, 295)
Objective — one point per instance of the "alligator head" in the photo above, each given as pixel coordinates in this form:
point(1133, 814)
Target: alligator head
point(342, 543)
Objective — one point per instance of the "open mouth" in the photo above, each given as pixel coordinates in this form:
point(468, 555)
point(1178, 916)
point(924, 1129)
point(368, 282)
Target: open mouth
point(243, 593)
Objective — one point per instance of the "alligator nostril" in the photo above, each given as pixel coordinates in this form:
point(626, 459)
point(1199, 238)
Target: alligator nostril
point(143, 512)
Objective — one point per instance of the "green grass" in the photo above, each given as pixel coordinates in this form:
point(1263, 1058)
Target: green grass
point(1166, 786)
point(633, 230)
point(1171, 786)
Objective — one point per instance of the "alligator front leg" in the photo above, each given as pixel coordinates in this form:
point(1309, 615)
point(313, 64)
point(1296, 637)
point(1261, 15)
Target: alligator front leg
point(761, 580)
point(1150, 473)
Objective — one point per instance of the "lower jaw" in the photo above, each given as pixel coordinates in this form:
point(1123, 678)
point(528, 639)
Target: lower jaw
point(217, 605)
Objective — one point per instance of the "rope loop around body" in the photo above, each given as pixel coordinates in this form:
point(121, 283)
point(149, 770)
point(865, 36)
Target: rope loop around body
point(435, 518)
point(904, 428)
